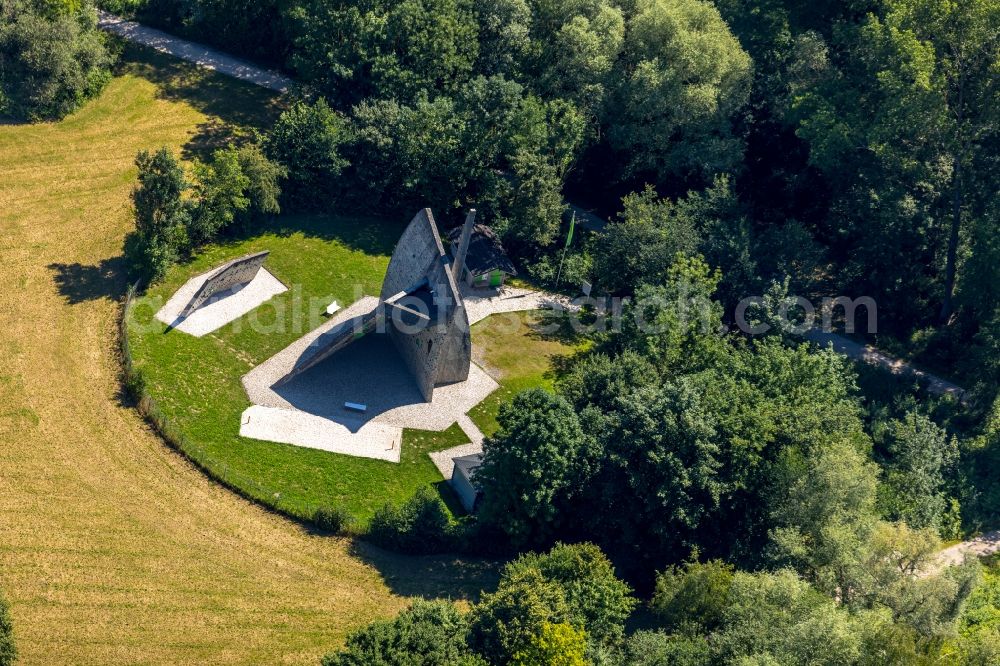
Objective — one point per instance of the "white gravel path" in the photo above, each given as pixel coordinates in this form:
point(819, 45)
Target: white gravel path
point(192, 52)
point(981, 546)
point(444, 460)
point(220, 309)
point(481, 303)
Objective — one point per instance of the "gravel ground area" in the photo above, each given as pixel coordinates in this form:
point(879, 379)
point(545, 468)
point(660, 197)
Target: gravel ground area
point(309, 410)
point(444, 460)
point(481, 303)
point(372, 440)
point(222, 308)
point(258, 382)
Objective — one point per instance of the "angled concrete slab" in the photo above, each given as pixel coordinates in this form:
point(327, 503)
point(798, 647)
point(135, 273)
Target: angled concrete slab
point(222, 308)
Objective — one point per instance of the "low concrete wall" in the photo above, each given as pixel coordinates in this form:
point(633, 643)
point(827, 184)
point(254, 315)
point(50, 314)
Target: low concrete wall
point(236, 272)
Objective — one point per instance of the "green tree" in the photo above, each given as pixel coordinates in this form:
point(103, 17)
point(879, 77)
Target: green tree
point(264, 187)
point(664, 464)
point(683, 75)
point(554, 645)
point(920, 457)
point(489, 145)
point(643, 243)
point(237, 186)
point(307, 141)
point(428, 633)
point(220, 192)
point(52, 58)
point(982, 649)
point(693, 598)
point(600, 381)
point(979, 626)
point(533, 466)
point(777, 618)
point(951, 53)
point(676, 325)
point(577, 44)
point(504, 36)
point(389, 49)
point(161, 215)
point(410, 152)
point(824, 514)
point(596, 599)
point(8, 652)
point(508, 621)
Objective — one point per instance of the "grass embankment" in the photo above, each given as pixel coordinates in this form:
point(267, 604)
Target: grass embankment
point(195, 382)
point(114, 549)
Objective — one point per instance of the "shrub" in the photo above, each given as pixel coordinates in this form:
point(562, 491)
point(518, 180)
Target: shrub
point(334, 519)
point(237, 188)
point(52, 58)
point(420, 526)
point(8, 653)
point(428, 632)
point(554, 645)
point(693, 597)
point(508, 621)
point(655, 648)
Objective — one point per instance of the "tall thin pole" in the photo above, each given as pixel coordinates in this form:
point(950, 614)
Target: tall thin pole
point(569, 239)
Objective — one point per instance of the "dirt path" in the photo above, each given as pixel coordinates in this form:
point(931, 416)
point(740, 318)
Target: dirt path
point(193, 52)
point(113, 549)
point(871, 355)
point(981, 546)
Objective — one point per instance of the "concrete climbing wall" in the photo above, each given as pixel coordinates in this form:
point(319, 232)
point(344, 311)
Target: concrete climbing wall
point(236, 273)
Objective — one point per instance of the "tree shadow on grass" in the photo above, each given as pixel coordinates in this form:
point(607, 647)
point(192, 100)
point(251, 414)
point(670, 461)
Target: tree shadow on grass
point(78, 283)
point(430, 576)
point(235, 107)
point(371, 235)
point(212, 135)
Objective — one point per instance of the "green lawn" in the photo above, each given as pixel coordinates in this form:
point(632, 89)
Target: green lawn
point(517, 350)
point(195, 382)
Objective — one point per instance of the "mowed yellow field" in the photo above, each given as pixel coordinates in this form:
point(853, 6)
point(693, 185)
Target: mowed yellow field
point(113, 549)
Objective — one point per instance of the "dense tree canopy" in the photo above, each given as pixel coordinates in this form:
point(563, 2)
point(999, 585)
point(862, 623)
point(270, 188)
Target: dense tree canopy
point(682, 76)
point(395, 49)
point(52, 58)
